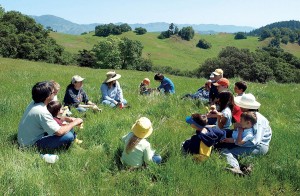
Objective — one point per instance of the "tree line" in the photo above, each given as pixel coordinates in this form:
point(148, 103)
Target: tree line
point(21, 37)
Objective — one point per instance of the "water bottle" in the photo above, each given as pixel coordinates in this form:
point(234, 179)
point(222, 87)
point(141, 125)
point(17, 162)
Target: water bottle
point(50, 158)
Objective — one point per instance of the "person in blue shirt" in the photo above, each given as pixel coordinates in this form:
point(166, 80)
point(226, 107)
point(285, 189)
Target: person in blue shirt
point(112, 94)
point(165, 83)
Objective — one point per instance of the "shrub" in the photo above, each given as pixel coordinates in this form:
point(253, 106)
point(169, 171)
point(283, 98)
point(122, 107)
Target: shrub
point(240, 35)
point(140, 31)
point(203, 44)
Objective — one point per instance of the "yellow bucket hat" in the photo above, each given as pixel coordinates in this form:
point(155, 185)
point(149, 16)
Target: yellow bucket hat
point(142, 128)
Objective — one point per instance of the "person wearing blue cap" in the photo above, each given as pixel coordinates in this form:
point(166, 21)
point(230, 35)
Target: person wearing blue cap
point(206, 136)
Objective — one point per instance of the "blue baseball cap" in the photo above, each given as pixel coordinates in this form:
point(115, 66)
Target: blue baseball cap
point(190, 120)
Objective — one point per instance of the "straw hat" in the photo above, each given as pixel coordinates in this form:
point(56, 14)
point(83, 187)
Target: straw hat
point(111, 76)
point(247, 101)
point(142, 128)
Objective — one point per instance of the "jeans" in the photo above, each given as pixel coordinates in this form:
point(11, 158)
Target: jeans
point(156, 159)
point(111, 104)
point(233, 153)
point(80, 109)
point(54, 141)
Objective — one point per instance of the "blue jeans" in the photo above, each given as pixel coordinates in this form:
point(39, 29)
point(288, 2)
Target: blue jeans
point(80, 109)
point(233, 153)
point(156, 159)
point(54, 141)
point(111, 104)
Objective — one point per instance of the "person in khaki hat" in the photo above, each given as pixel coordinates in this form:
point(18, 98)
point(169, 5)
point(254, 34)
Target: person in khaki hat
point(111, 91)
point(137, 151)
point(76, 97)
point(213, 93)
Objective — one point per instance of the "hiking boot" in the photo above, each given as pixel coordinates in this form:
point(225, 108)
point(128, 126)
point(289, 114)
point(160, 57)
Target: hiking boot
point(235, 170)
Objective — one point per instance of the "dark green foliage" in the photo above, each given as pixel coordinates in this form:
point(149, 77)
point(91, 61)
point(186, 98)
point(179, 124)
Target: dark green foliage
point(187, 33)
point(203, 44)
point(140, 30)
point(173, 30)
point(261, 66)
point(111, 29)
point(130, 52)
point(21, 37)
point(143, 65)
point(265, 34)
point(285, 39)
point(275, 42)
point(240, 35)
point(116, 53)
point(285, 30)
point(257, 72)
point(86, 59)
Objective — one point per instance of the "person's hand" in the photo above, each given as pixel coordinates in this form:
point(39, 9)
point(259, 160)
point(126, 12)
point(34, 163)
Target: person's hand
point(78, 121)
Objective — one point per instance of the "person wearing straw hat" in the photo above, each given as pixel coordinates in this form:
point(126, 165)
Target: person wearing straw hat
point(75, 96)
point(137, 151)
point(112, 93)
point(259, 144)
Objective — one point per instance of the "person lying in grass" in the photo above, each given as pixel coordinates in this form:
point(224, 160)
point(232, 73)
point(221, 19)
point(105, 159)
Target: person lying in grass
point(202, 93)
point(137, 151)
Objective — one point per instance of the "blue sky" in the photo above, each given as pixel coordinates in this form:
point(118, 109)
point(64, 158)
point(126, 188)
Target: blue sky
point(254, 13)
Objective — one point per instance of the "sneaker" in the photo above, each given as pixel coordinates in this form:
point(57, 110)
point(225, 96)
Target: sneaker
point(77, 141)
point(235, 171)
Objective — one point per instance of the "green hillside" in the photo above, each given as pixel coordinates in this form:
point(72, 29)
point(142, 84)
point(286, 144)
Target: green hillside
point(173, 52)
point(93, 168)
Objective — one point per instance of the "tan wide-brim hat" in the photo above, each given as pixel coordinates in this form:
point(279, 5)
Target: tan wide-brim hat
point(142, 128)
point(247, 101)
point(111, 76)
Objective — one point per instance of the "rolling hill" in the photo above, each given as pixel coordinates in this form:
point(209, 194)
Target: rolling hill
point(173, 52)
point(64, 26)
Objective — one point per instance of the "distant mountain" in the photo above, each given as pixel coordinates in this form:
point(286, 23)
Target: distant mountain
point(64, 26)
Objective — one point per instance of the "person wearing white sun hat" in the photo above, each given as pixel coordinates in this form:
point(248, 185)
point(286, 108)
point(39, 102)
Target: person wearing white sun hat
point(112, 93)
point(259, 145)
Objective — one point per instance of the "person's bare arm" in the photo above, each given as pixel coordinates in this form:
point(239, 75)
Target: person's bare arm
point(66, 128)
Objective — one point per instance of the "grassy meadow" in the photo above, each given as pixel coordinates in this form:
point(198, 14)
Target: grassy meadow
point(173, 52)
point(93, 168)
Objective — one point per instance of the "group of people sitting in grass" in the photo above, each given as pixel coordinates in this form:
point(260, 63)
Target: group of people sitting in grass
point(47, 125)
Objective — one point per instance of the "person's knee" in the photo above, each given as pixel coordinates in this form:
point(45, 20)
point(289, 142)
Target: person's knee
point(68, 137)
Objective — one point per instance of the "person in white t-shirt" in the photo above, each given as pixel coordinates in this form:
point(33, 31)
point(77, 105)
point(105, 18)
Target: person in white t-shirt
point(37, 126)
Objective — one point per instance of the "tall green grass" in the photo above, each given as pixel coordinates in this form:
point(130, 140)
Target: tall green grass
point(93, 168)
point(173, 52)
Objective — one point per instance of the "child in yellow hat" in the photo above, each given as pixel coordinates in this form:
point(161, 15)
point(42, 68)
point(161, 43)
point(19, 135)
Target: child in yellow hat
point(137, 151)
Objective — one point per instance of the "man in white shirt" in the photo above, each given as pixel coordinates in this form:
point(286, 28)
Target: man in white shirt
point(37, 126)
